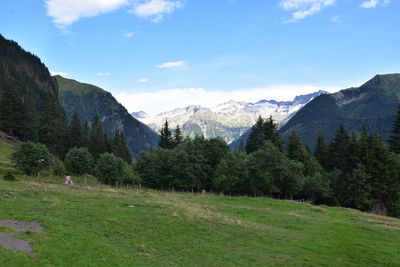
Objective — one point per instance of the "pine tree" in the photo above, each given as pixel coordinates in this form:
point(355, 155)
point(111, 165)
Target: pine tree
point(394, 140)
point(338, 150)
point(271, 132)
point(295, 149)
point(85, 134)
point(178, 138)
point(256, 136)
point(97, 142)
point(320, 151)
point(53, 130)
point(11, 107)
point(166, 140)
point(75, 132)
point(119, 146)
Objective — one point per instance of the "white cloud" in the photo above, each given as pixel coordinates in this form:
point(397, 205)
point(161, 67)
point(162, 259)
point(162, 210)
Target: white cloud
point(103, 74)
point(304, 8)
point(374, 3)
point(53, 73)
point(336, 19)
point(159, 101)
point(66, 12)
point(128, 34)
point(155, 9)
point(142, 80)
point(172, 65)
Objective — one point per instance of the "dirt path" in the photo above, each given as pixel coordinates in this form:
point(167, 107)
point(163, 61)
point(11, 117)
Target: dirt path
point(9, 242)
point(21, 226)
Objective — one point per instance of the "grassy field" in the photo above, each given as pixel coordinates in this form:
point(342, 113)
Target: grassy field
point(6, 150)
point(102, 226)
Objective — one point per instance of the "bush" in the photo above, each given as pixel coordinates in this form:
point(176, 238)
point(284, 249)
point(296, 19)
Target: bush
point(9, 177)
point(59, 168)
point(111, 169)
point(78, 161)
point(31, 158)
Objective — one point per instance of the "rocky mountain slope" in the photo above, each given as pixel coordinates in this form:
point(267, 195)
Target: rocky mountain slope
point(372, 105)
point(88, 100)
point(228, 120)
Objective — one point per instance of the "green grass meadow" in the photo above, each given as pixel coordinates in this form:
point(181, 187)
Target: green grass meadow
point(103, 226)
point(93, 225)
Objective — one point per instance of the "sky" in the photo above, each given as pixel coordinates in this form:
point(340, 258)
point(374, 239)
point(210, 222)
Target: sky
point(156, 55)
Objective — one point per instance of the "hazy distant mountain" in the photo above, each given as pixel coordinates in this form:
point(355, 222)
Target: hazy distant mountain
point(88, 100)
point(373, 105)
point(228, 120)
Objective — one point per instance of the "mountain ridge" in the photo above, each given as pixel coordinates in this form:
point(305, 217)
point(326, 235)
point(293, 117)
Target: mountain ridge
point(88, 100)
point(372, 105)
point(228, 120)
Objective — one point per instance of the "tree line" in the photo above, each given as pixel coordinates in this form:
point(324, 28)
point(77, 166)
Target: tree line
point(354, 170)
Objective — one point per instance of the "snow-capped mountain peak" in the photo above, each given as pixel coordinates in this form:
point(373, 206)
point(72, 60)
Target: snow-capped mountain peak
point(228, 120)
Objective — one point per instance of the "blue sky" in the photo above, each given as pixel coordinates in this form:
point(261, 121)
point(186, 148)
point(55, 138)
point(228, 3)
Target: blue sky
point(155, 55)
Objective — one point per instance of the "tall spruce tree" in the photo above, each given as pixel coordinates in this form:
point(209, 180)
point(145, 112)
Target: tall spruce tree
point(178, 138)
point(53, 129)
point(97, 140)
point(75, 132)
point(256, 136)
point(338, 150)
point(85, 134)
point(11, 108)
point(271, 132)
point(166, 140)
point(320, 151)
point(394, 140)
point(295, 149)
point(119, 146)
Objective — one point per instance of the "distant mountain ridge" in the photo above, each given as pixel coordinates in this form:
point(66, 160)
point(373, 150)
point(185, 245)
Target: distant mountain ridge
point(88, 100)
point(228, 120)
point(373, 105)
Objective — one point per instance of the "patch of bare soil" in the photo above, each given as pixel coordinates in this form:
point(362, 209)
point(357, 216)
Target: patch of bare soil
point(9, 242)
point(21, 226)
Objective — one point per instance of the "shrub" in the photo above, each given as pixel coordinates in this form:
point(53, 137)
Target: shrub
point(111, 169)
point(9, 177)
point(59, 168)
point(31, 158)
point(78, 161)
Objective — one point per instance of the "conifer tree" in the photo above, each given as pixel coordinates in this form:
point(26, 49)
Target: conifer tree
point(85, 134)
point(53, 130)
point(320, 151)
point(166, 140)
point(394, 140)
point(178, 138)
point(75, 132)
point(271, 132)
point(256, 136)
point(119, 146)
point(338, 150)
point(11, 108)
point(295, 149)
point(97, 142)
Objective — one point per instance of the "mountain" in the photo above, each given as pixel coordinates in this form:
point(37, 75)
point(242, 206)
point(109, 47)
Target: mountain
point(373, 105)
point(26, 73)
point(29, 105)
point(228, 120)
point(87, 100)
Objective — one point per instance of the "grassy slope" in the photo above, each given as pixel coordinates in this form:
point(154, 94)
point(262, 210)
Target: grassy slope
point(104, 226)
point(6, 150)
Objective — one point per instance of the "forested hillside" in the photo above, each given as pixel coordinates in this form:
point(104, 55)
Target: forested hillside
point(87, 100)
point(372, 105)
point(29, 106)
